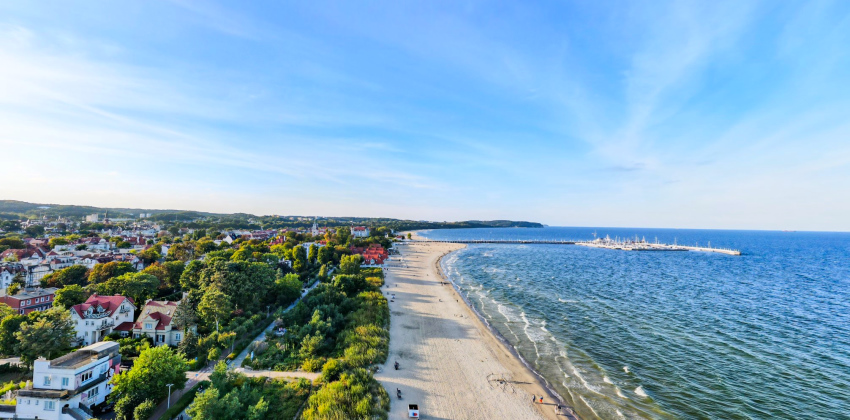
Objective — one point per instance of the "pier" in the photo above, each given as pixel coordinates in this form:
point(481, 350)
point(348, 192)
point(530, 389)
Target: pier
point(606, 243)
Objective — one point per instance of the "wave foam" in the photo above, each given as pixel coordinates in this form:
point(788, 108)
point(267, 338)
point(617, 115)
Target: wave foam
point(639, 390)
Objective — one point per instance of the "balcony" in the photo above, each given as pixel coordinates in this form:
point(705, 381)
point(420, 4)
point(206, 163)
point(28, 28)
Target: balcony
point(105, 324)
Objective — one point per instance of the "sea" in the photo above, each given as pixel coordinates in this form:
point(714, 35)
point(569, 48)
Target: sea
point(670, 335)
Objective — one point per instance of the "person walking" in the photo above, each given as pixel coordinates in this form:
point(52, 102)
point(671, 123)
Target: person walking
point(541, 399)
point(534, 398)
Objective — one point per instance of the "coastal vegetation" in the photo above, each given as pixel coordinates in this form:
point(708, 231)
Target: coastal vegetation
point(234, 396)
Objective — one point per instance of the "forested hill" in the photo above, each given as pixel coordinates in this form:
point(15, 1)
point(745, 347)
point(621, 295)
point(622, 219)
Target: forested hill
point(11, 209)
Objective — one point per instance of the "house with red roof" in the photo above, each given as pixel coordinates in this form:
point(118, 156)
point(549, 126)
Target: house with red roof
point(374, 254)
point(359, 231)
point(99, 316)
point(155, 322)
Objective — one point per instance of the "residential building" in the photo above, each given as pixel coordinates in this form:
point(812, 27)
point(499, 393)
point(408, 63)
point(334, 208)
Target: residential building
point(359, 231)
point(68, 387)
point(92, 218)
point(375, 254)
point(8, 271)
point(99, 316)
point(155, 322)
point(31, 299)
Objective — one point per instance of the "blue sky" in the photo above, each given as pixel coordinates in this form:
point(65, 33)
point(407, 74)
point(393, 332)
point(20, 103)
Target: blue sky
point(645, 114)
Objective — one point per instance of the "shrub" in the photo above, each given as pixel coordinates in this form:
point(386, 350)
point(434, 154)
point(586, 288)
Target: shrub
point(144, 410)
point(312, 364)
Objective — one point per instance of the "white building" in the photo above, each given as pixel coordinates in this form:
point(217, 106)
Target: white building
point(155, 322)
point(92, 218)
point(360, 231)
point(99, 316)
point(66, 388)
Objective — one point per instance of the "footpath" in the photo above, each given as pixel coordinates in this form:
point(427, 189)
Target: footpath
point(204, 374)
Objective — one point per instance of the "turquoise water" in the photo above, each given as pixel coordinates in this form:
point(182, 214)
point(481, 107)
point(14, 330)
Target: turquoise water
point(672, 334)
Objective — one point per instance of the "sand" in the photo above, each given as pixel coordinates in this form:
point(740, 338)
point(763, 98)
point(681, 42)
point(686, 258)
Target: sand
point(451, 365)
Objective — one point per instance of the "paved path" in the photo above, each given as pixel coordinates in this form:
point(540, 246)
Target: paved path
point(203, 374)
point(237, 362)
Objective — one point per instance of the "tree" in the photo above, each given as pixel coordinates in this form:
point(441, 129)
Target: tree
point(45, 334)
point(351, 284)
point(210, 406)
point(13, 289)
point(323, 271)
point(184, 315)
point(350, 264)
point(183, 251)
point(138, 286)
point(34, 230)
point(313, 255)
point(326, 255)
point(189, 345)
point(144, 411)
point(408, 236)
point(103, 272)
point(214, 307)
point(54, 242)
point(13, 243)
point(69, 296)
point(155, 368)
point(299, 259)
point(356, 395)
point(6, 310)
point(75, 274)
point(149, 256)
point(8, 327)
point(190, 279)
point(259, 410)
point(288, 289)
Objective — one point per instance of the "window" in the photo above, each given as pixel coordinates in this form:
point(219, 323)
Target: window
point(46, 381)
point(177, 336)
point(94, 391)
point(65, 382)
point(148, 326)
point(50, 405)
point(86, 376)
point(28, 302)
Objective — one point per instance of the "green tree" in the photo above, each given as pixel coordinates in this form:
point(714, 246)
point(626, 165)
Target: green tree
point(323, 271)
point(6, 310)
point(288, 289)
point(138, 286)
point(103, 272)
point(313, 255)
point(299, 259)
point(153, 370)
point(45, 334)
point(75, 274)
point(214, 307)
point(184, 316)
point(13, 242)
point(8, 327)
point(408, 236)
point(350, 264)
point(326, 255)
point(144, 411)
point(34, 230)
point(189, 345)
point(149, 256)
point(183, 251)
point(54, 242)
point(69, 296)
point(210, 406)
point(258, 411)
point(350, 284)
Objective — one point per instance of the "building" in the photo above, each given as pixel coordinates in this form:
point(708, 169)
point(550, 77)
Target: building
point(8, 272)
point(68, 387)
point(155, 322)
point(375, 254)
point(360, 231)
point(99, 316)
point(31, 299)
point(92, 218)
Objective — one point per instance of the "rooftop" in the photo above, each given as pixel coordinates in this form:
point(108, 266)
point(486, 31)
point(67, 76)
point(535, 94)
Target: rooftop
point(83, 356)
point(34, 293)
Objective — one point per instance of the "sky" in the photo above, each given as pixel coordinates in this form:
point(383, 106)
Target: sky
point(712, 114)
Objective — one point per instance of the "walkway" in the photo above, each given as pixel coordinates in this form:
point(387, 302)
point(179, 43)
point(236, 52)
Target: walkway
point(237, 362)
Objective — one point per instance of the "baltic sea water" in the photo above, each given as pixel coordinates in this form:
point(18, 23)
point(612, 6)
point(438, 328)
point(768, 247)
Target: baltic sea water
point(689, 335)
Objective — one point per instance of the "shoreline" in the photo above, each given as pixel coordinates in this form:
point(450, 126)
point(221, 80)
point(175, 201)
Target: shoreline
point(453, 365)
point(568, 411)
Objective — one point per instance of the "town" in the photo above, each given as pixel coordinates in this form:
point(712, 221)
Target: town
point(103, 314)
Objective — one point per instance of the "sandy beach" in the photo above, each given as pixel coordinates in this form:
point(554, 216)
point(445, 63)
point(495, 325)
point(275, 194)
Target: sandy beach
point(451, 365)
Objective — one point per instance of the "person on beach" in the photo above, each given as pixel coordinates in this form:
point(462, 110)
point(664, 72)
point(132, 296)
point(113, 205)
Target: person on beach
point(534, 398)
point(541, 400)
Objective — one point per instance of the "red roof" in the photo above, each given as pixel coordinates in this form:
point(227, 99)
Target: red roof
point(124, 326)
point(109, 303)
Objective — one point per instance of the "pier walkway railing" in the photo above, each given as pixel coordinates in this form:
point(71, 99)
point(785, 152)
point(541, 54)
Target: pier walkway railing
point(617, 246)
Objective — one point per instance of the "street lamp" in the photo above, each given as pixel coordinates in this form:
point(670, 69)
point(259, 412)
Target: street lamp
point(169, 394)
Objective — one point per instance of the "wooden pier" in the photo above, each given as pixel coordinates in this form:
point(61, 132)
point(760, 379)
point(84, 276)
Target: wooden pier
point(621, 246)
